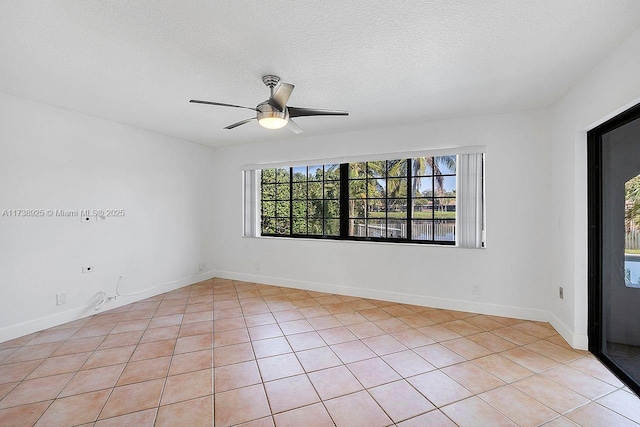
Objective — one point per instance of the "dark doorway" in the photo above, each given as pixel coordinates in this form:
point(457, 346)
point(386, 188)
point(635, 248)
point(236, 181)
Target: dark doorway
point(614, 245)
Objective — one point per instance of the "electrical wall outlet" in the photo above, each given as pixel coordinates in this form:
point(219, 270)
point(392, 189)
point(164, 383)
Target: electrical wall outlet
point(475, 289)
point(61, 299)
point(561, 292)
point(88, 269)
point(257, 266)
point(202, 266)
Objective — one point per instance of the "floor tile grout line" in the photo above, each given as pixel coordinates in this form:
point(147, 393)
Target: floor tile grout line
point(508, 417)
point(563, 414)
point(123, 369)
point(435, 407)
point(306, 375)
point(539, 339)
point(568, 388)
point(351, 373)
point(613, 410)
point(164, 384)
point(71, 379)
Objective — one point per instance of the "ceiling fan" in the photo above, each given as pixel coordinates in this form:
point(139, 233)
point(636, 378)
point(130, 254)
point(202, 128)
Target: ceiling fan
point(274, 112)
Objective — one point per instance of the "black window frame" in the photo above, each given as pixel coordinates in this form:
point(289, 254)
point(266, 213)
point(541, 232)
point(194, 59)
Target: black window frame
point(325, 181)
point(381, 200)
point(344, 203)
point(279, 185)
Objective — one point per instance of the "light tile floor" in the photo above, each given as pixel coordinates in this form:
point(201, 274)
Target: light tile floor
point(228, 353)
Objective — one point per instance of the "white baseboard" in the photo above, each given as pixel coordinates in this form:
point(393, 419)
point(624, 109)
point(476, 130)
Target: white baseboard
point(25, 328)
point(436, 302)
point(577, 341)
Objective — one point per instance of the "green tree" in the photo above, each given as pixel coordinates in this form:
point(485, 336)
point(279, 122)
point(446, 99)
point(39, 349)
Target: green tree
point(632, 203)
point(421, 166)
point(314, 204)
point(363, 184)
point(432, 166)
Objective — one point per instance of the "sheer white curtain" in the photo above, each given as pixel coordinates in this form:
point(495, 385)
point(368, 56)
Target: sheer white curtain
point(470, 201)
point(250, 203)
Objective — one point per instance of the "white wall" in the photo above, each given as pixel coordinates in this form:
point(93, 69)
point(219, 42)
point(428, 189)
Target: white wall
point(183, 207)
point(512, 271)
point(56, 159)
point(537, 211)
point(608, 89)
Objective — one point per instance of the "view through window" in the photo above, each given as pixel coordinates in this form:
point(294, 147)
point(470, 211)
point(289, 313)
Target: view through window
point(632, 232)
point(395, 200)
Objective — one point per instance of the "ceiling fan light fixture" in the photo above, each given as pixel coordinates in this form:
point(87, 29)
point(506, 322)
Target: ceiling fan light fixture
point(271, 118)
point(272, 122)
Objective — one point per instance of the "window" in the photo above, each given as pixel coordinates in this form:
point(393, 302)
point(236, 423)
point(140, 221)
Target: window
point(421, 199)
point(302, 200)
point(434, 203)
point(412, 199)
point(378, 199)
point(316, 200)
point(276, 201)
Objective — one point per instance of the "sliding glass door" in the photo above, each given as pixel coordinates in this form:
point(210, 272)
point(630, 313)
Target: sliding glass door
point(614, 245)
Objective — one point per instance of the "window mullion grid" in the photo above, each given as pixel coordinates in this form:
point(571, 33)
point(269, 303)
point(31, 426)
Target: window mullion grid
point(306, 197)
point(324, 211)
point(274, 200)
point(290, 201)
point(275, 204)
point(409, 200)
point(433, 200)
point(262, 203)
point(366, 200)
point(344, 200)
point(385, 201)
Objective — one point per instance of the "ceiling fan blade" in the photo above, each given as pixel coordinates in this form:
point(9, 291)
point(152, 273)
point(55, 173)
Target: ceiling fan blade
point(235, 125)
point(195, 101)
point(281, 95)
point(293, 126)
point(304, 112)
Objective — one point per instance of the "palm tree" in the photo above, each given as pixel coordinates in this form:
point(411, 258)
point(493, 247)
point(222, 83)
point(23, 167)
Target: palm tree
point(420, 166)
point(394, 171)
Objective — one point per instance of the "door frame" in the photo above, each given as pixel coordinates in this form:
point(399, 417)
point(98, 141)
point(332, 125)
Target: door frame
point(594, 235)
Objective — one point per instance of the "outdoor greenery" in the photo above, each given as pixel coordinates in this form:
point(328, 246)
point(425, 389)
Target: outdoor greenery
point(306, 200)
point(307, 195)
point(632, 215)
point(632, 202)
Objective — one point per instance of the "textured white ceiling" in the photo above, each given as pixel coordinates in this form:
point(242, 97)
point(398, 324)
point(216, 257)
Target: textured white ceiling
point(386, 61)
